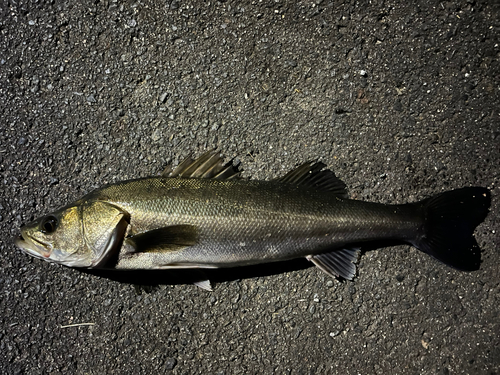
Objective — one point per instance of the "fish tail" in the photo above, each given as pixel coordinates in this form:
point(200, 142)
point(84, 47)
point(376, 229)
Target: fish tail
point(448, 230)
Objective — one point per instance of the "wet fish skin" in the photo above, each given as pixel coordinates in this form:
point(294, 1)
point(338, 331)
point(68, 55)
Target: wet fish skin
point(201, 217)
point(247, 222)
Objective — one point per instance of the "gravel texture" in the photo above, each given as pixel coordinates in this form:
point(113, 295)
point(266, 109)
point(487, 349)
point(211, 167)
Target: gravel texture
point(401, 100)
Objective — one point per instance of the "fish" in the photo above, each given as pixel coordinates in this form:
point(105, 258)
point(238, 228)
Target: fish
point(203, 215)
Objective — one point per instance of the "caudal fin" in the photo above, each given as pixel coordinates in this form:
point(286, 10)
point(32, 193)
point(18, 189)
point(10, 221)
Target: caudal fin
point(450, 220)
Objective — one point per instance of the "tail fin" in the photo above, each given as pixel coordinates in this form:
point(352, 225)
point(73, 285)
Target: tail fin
point(450, 220)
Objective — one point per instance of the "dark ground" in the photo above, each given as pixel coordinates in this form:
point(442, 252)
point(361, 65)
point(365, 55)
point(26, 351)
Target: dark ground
point(402, 101)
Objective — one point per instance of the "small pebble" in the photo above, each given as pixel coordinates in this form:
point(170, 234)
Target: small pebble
point(170, 363)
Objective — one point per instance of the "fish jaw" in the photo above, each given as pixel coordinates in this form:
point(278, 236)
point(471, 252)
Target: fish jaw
point(36, 250)
point(47, 252)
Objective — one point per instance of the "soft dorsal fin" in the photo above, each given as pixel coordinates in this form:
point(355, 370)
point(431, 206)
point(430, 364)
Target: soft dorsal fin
point(312, 175)
point(208, 165)
point(338, 263)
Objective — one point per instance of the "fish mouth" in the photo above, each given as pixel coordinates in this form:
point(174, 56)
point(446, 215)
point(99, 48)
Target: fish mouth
point(38, 249)
point(32, 247)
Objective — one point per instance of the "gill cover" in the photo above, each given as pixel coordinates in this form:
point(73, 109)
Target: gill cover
point(103, 229)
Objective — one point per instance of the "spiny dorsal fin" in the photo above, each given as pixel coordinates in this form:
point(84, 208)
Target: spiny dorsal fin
point(338, 263)
point(208, 165)
point(312, 175)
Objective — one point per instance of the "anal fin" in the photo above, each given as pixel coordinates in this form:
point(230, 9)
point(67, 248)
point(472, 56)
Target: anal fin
point(337, 263)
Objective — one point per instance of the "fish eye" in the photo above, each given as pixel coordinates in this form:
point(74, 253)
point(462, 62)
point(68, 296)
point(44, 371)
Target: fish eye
point(49, 224)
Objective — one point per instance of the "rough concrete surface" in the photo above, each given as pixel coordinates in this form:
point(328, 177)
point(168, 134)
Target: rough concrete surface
point(401, 100)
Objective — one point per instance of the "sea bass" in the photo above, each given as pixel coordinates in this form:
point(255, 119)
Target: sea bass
point(202, 215)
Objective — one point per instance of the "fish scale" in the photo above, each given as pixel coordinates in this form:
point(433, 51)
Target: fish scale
point(276, 221)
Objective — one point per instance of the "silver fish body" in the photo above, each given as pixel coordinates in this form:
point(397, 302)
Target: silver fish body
point(246, 222)
point(201, 216)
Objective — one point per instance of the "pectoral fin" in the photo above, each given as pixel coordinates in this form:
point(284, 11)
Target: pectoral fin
point(204, 284)
point(166, 239)
point(338, 263)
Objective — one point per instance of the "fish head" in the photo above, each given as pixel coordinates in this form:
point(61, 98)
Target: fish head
point(82, 235)
point(56, 237)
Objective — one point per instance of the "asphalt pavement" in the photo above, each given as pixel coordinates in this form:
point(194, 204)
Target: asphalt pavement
point(400, 99)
